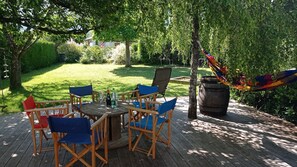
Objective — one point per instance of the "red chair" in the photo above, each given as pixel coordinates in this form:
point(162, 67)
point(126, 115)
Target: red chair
point(38, 112)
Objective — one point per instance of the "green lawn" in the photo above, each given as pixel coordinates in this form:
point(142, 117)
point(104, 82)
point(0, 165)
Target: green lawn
point(53, 82)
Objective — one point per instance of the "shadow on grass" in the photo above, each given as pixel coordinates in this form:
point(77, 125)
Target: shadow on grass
point(28, 76)
point(60, 90)
point(148, 72)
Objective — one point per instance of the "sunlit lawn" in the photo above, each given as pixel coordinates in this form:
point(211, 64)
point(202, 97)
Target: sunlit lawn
point(53, 82)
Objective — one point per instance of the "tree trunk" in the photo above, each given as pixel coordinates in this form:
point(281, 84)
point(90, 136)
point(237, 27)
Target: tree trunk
point(17, 50)
point(192, 111)
point(128, 57)
point(15, 72)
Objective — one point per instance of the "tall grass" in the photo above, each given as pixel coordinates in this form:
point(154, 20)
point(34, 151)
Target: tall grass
point(52, 83)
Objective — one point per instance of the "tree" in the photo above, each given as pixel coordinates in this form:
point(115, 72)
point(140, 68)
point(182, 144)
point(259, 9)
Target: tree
point(247, 35)
point(18, 42)
point(124, 30)
point(26, 21)
point(178, 22)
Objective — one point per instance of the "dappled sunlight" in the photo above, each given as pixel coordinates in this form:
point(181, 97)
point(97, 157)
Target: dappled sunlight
point(9, 131)
point(275, 162)
point(227, 155)
point(183, 131)
point(5, 143)
point(200, 152)
point(182, 105)
point(244, 137)
point(11, 125)
point(243, 128)
point(14, 155)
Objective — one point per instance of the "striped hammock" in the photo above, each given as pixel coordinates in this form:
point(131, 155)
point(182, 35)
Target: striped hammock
point(263, 82)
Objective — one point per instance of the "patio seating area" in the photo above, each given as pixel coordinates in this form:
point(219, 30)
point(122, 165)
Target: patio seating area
point(244, 137)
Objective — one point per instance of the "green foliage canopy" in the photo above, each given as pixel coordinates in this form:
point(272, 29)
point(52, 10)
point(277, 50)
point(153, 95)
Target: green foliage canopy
point(25, 21)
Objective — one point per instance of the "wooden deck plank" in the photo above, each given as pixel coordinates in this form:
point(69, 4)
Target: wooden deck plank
point(245, 137)
point(9, 130)
point(27, 157)
point(13, 140)
point(20, 151)
point(199, 146)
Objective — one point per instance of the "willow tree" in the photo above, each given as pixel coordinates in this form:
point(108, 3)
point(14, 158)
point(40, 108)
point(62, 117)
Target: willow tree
point(176, 22)
point(253, 36)
point(247, 34)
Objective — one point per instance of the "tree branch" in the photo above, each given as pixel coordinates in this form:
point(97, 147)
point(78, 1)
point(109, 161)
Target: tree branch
point(25, 22)
point(27, 45)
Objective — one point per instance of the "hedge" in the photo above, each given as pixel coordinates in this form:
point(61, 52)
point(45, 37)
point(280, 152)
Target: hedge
point(39, 55)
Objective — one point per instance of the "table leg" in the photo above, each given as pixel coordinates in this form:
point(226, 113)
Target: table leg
point(114, 128)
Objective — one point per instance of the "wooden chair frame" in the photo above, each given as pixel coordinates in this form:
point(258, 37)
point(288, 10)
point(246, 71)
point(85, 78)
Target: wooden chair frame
point(77, 101)
point(134, 96)
point(152, 133)
point(98, 126)
point(38, 123)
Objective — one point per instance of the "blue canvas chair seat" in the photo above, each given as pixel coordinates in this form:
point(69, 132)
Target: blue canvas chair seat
point(150, 123)
point(142, 105)
point(147, 122)
point(144, 94)
point(79, 131)
point(139, 97)
point(79, 93)
point(81, 90)
point(76, 139)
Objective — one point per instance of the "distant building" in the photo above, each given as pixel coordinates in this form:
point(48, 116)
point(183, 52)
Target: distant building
point(89, 41)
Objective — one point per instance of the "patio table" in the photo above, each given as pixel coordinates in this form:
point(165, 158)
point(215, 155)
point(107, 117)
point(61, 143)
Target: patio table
point(95, 110)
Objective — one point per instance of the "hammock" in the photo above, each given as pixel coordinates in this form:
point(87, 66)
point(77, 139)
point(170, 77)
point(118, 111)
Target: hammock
point(264, 82)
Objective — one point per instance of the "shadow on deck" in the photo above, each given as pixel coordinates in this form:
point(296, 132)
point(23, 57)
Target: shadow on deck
point(244, 137)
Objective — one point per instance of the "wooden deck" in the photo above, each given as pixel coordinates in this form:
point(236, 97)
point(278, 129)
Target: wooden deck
point(245, 137)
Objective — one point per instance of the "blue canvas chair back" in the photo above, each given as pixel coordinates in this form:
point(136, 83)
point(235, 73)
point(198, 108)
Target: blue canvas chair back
point(70, 125)
point(81, 90)
point(144, 90)
point(166, 106)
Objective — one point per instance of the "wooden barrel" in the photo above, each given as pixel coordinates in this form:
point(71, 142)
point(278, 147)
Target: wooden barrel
point(213, 96)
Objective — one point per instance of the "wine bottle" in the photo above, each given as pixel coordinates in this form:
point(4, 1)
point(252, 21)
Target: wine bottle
point(113, 99)
point(108, 98)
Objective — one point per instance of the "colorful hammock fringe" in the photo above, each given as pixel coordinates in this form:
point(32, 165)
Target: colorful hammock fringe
point(264, 82)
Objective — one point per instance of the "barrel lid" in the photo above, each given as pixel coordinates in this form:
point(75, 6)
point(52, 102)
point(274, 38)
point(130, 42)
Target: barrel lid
point(209, 79)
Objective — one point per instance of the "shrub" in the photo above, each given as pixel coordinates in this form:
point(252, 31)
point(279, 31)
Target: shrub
point(39, 55)
point(145, 57)
point(281, 101)
point(118, 54)
point(93, 54)
point(71, 52)
point(135, 57)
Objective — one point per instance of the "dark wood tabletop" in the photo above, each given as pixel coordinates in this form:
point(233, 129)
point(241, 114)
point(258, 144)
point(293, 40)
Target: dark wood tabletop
point(98, 109)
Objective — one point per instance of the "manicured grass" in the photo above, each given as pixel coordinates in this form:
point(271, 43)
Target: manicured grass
point(52, 83)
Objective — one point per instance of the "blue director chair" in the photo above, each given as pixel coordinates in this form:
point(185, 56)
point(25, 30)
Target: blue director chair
point(144, 94)
point(150, 124)
point(79, 93)
point(73, 131)
point(139, 98)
